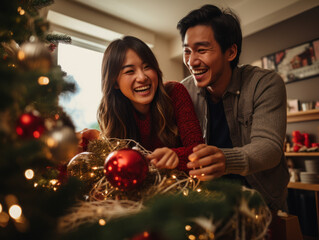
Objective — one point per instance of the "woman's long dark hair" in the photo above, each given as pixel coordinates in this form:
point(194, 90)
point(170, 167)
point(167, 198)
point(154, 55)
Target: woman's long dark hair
point(115, 113)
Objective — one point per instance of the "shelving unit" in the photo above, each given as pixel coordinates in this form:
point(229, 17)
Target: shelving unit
point(302, 154)
point(308, 187)
point(302, 116)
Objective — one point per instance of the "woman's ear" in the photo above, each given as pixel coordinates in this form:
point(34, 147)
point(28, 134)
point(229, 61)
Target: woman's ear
point(231, 52)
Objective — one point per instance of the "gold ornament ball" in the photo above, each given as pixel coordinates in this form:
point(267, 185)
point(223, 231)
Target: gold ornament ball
point(62, 144)
point(85, 166)
point(35, 56)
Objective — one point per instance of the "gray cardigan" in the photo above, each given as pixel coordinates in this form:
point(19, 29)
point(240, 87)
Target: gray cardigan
point(255, 109)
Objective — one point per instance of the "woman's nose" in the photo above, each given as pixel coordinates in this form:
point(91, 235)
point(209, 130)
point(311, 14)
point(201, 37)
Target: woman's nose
point(141, 76)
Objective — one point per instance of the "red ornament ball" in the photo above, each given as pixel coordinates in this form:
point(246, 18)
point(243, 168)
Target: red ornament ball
point(125, 169)
point(30, 126)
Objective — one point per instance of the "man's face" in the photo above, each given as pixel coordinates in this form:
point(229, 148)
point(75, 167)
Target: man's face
point(203, 57)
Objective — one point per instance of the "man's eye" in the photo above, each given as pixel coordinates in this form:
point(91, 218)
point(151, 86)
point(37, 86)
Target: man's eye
point(187, 51)
point(201, 50)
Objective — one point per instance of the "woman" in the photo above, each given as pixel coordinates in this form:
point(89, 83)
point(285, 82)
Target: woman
point(136, 105)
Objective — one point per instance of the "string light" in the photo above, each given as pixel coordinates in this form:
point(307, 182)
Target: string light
point(102, 222)
point(198, 189)
point(15, 211)
point(21, 11)
point(21, 55)
point(0, 207)
point(29, 174)
point(51, 142)
point(188, 228)
point(191, 237)
point(43, 80)
point(53, 181)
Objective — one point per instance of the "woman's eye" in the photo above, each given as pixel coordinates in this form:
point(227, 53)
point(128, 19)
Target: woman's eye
point(147, 67)
point(129, 72)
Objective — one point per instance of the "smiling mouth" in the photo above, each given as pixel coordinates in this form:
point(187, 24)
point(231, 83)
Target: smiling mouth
point(142, 89)
point(199, 72)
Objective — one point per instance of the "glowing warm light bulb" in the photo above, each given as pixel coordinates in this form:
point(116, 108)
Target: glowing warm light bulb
point(15, 211)
point(188, 227)
point(50, 142)
point(174, 176)
point(191, 237)
point(0, 208)
point(198, 189)
point(22, 12)
point(35, 184)
point(29, 174)
point(53, 181)
point(43, 80)
point(21, 55)
point(102, 222)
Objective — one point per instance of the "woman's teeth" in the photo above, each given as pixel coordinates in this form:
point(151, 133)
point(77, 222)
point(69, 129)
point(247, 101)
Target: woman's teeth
point(141, 89)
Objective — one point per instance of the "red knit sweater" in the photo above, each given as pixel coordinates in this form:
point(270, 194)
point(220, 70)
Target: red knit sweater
point(187, 123)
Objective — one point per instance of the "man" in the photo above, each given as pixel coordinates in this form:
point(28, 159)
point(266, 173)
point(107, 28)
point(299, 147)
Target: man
point(242, 110)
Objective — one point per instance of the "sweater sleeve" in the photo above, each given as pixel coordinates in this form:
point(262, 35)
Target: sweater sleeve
point(187, 123)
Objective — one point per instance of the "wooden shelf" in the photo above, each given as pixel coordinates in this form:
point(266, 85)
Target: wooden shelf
point(304, 186)
point(302, 154)
point(301, 116)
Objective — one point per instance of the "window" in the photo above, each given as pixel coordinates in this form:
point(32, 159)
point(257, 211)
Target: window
point(84, 66)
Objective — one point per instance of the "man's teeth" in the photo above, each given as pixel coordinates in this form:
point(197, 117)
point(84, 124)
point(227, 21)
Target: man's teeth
point(198, 72)
point(141, 89)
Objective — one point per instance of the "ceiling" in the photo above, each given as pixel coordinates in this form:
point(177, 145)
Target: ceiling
point(161, 16)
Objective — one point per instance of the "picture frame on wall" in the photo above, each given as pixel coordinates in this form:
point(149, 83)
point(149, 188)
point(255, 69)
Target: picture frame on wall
point(295, 63)
point(292, 105)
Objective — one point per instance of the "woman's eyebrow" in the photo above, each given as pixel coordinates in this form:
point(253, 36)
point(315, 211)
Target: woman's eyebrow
point(126, 66)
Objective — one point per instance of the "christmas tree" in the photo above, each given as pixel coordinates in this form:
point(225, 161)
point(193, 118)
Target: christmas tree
point(34, 131)
point(49, 191)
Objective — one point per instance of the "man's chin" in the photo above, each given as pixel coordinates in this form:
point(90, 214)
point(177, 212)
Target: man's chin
point(201, 84)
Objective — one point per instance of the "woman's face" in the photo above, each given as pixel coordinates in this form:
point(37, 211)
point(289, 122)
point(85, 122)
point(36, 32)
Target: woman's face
point(137, 81)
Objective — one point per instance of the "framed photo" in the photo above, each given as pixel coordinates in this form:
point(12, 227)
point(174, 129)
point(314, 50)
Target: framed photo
point(292, 105)
point(295, 63)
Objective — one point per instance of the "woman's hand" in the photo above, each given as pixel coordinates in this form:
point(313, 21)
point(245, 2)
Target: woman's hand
point(85, 136)
point(163, 158)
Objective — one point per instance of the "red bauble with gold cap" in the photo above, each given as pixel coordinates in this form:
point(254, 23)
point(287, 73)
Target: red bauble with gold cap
point(125, 169)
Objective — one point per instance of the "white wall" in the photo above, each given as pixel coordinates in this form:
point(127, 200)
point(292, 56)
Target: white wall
point(171, 64)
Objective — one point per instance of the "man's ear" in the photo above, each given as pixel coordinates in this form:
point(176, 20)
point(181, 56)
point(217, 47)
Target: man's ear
point(231, 52)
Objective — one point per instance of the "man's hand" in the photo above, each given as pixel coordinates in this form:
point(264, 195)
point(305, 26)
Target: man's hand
point(164, 158)
point(207, 162)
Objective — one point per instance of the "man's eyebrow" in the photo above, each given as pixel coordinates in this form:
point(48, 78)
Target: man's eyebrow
point(204, 43)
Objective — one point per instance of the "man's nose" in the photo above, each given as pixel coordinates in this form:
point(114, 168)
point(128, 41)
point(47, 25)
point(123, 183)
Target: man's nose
point(193, 59)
